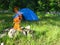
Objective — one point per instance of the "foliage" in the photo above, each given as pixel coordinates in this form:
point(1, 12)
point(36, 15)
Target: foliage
point(37, 5)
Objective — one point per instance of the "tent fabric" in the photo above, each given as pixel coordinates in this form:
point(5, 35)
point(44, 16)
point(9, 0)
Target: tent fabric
point(28, 14)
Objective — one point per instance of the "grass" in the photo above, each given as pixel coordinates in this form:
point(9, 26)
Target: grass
point(47, 31)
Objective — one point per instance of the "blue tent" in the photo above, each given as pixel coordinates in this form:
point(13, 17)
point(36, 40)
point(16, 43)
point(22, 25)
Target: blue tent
point(29, 14)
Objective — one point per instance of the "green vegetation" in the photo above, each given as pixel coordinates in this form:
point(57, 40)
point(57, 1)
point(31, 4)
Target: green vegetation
point(47, 28)
point(36, 5)
point(47, 31)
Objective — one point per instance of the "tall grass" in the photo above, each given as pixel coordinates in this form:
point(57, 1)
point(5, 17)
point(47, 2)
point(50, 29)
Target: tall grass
point(47, 31)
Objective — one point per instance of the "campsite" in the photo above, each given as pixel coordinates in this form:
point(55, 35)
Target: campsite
point(42, 22)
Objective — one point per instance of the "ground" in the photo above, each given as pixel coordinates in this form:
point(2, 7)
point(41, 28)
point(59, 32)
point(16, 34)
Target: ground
point(47, 31)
